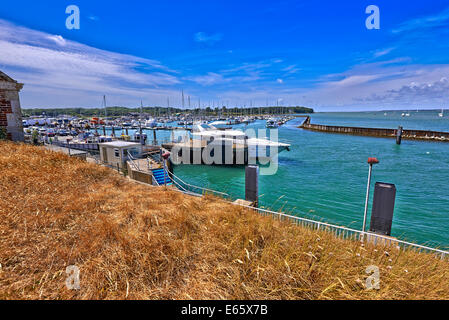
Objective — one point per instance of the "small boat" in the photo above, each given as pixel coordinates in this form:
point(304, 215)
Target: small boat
point(151, 123)
point(138, 137)
point(441, 114)
point(51, 133)
point(272, 123)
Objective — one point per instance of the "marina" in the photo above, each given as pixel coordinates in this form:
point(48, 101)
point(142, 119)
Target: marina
point(320, 154)
point(206, 160)
point(339, 162)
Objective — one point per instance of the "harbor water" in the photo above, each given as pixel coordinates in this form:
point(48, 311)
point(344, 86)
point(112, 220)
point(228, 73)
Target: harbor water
point(324, 175)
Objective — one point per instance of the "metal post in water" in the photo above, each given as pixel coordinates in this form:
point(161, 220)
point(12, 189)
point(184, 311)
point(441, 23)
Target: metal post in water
point(399, 135)
point(371, 161)
point(142, 141)
point(252, 184)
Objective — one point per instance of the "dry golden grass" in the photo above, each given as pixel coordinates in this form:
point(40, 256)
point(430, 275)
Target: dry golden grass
point(137, 242)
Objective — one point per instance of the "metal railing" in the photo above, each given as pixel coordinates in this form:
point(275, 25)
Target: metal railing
point(348, 233)
point(192, 189)
point(77, 146)
point(338, 231)
point(134, 164)
point(155, 183)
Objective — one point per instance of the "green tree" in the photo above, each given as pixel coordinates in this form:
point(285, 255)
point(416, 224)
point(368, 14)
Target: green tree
point(35, 137)
point(3, 134)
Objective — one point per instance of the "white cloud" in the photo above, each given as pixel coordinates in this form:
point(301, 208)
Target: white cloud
point(49, 63)
point(210, 78)
point(291, 69)
point(353, 80)
point(386, 84)
point(279, 81)
point(383, 52)
point(58, 39)
point(431, 21)
point(207, 38)
point(383, 84)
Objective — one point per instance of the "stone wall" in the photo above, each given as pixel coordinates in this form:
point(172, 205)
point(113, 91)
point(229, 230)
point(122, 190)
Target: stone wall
point(145, 177)
point(10, 111)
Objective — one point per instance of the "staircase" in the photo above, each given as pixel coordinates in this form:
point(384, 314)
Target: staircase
point(158, 175)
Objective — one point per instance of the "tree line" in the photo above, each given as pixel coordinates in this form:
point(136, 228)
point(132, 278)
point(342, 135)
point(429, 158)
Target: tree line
point(162, 111)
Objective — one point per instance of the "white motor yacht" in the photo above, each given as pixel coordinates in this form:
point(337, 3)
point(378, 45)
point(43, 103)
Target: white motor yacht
point(258, 148)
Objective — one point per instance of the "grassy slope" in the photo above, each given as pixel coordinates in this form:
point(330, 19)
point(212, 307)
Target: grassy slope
point(133, 241)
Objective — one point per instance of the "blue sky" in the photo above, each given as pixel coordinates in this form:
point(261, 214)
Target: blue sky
point(313, 53)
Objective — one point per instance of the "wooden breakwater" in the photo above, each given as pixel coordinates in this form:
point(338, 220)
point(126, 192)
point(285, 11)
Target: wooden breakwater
point(378, 132)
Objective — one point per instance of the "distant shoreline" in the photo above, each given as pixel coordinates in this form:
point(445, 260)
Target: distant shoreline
point(165, 111)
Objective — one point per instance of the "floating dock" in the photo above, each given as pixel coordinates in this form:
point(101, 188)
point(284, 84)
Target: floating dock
point(423, 135)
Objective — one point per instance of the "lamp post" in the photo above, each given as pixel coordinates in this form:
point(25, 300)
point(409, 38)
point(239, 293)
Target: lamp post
point(371, 162)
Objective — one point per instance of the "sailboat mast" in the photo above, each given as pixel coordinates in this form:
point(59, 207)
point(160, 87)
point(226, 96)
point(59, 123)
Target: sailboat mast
point(182, 92)
point(105, 108)
point(141, 109)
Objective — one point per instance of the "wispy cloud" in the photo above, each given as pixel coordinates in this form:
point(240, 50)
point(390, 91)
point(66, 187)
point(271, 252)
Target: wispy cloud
point(235, 75)
point(385, 83)
point(434, 21)
point(203, 37)
point(58, 39)
point(211, 78)
point(413, 92)
point(382, 52)
point(52, 63)
point(291, 69)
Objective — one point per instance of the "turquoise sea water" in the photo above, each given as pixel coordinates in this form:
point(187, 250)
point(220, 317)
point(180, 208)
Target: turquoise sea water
point(324, 175)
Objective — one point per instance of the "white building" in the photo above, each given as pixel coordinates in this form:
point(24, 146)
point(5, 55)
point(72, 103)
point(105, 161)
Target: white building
point(115, 153)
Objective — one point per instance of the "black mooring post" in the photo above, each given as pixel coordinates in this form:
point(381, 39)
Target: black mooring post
point(104, 130)
point(383, 208)
point(252, 184)
point(399, 135)
point(154, 137)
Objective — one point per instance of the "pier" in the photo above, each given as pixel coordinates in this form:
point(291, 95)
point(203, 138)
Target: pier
point(423, 135)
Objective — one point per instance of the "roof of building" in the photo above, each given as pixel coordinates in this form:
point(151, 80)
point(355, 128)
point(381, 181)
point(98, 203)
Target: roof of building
point(120, 144)
point(5, 77)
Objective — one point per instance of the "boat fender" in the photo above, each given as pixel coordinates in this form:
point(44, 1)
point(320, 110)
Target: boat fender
point(166, 155)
